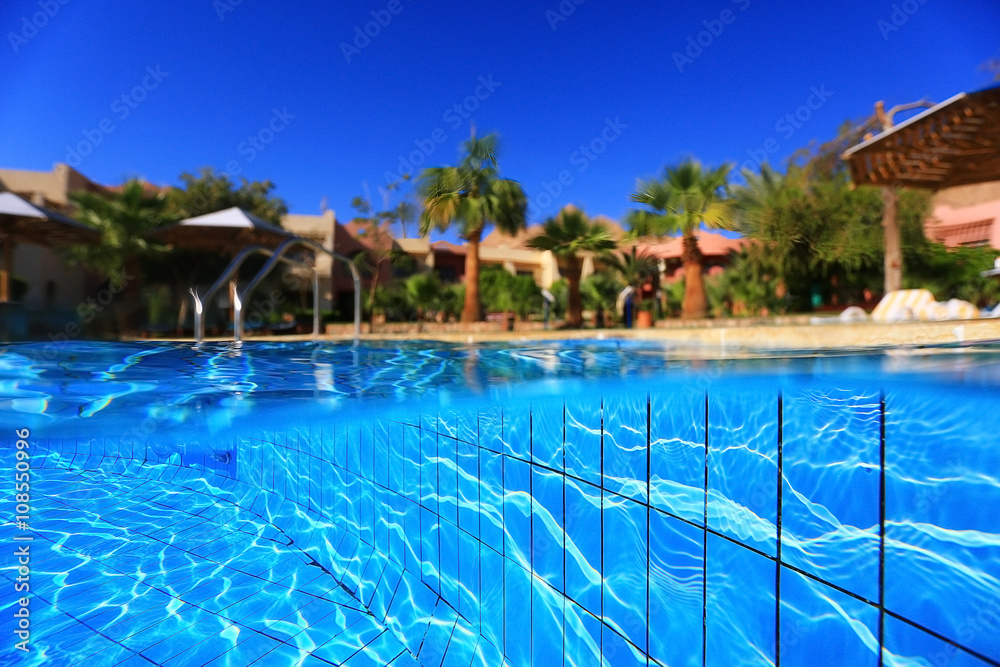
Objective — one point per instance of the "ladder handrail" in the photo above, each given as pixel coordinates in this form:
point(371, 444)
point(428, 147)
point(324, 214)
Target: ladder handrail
point(279, 252)
point(199, 300)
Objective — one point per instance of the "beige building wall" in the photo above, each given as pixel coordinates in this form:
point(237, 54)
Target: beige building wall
point(54, 284)
point(321, 229)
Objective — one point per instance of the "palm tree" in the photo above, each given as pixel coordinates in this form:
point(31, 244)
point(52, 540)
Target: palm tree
point(472, 195)
point(124, 219)
point(566, 236)
point(687, 197)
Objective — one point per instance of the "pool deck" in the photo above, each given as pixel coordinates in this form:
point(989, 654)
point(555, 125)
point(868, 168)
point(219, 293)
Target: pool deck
point(742, 336)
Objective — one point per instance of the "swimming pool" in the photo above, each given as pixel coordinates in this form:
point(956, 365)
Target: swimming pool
point(576, 503)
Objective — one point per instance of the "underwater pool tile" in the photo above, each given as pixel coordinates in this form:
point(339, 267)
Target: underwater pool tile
point(625, 587)
point(339, 649)
point(743, 467)
point(411, 610)
point(516, 431)
point(404, 659)
point(625, 442)
point(385, 590)
point(380, 651)
point(491, 597)
point(517, 623)
point(582, 638)
point(548, 527)
point(820, 625)
point(740, 614)
point(547, 434)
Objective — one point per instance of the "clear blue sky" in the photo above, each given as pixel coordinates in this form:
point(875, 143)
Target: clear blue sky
point(199, 78)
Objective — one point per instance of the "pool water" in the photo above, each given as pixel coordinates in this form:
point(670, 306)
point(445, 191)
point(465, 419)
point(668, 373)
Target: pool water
point(558, 503)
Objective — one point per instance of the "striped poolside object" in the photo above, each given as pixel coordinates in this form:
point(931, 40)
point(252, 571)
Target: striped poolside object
point(903, 305)
point(961, 310)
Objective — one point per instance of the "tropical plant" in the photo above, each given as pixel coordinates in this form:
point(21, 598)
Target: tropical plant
point(567, 236)
point(424, 293)
point(209, 191)
point(503, 292)
point(634, 269)
point(124, 218)
point(600, 291)
point(809, 229)
point(471, 196)
point(687, 197)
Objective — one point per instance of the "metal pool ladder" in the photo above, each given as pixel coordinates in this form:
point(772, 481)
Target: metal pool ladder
point(277, 255)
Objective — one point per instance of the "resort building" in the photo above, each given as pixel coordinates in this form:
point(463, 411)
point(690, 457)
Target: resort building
point(967, 215)
point(50, 287)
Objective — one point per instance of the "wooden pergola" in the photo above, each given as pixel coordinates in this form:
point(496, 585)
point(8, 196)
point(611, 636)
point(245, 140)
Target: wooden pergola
point(953, 143)
point(956, 142)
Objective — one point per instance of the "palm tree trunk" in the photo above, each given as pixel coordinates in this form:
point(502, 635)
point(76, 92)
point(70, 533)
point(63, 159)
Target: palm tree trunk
point(574, 307)
point(472, 310)
point(893, 245)
point(371, 298)
point(695, 303)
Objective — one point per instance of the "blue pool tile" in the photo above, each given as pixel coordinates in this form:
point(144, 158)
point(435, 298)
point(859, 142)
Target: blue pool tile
point(395, 457)
point(547, 527)
point(430, 536)
point(380, 453)
point(625, 568)
point(491, 521)
point(740, 605)
point(743, 467)
point(907, 645)
point(429, 470)
point(490, 428)
point(547, 434)
point(547, 618)
point(582, 636)
point(830, 499)
point(448, 480)
point(468, 578)
point(625, 441)
point(449, 563)
point(583, 438)
point(617, 651)
point(676, 562)
point(677, 454)
point(468, 487)
point(517, 511)
point(486, 655)
point(817, 620)
point(491, 596)
point(366, 452)
point(411, 463)
point(461, 647)
point(385, 590)
point(371, 575)
point(517, 431)
point(517, 622)
point(439, 632)
point(942, 560)
point(411, 610)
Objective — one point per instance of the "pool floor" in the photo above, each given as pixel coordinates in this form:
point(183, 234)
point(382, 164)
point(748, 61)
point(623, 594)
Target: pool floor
point(132, 571)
